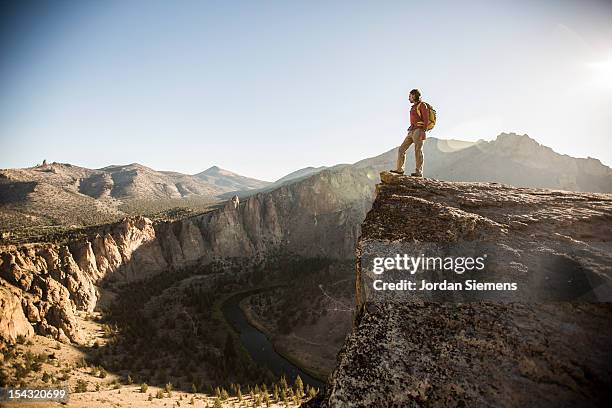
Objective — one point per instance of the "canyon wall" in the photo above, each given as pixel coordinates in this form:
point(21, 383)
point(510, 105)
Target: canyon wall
point(317, 216)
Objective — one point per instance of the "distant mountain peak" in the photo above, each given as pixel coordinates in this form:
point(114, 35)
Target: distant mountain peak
point(515, 138)
point(212, 170)
point(520, 146)
point(216, 171)
point(231, 181)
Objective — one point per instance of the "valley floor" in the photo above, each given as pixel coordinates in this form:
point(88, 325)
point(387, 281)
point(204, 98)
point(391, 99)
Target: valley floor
point(64, 367)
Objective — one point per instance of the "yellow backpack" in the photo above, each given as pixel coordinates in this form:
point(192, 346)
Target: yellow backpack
point(432, 115)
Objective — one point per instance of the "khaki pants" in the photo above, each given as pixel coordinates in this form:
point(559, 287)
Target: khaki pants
point(414, 136)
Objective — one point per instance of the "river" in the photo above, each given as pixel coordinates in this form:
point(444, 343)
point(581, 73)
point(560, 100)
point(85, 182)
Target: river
point(260, 347)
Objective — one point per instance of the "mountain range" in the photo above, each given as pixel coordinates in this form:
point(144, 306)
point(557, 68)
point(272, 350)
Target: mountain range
point(64, 194)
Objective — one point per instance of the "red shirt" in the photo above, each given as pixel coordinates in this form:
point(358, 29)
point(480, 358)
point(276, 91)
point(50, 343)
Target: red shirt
point(416, 121)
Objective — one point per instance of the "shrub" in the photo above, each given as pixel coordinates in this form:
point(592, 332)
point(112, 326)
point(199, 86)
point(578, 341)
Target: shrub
point(144, 387)
point(81, 386)
point(42, 358)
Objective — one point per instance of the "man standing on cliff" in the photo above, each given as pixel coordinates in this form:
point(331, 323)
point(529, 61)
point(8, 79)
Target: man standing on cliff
point(419, 120)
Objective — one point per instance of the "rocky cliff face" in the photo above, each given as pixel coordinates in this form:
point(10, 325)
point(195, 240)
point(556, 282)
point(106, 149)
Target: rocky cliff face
point(544, 344)
point(318, 216)
point(53, 281)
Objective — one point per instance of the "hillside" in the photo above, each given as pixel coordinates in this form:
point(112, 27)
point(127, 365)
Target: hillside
point(60, 194)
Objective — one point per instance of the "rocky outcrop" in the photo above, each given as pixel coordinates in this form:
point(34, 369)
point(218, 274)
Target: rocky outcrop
point(54, 281)
point(319, 216)
point(13, 322)
point(544, 344)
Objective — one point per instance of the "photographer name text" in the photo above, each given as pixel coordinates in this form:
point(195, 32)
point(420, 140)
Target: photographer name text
point(458, 265)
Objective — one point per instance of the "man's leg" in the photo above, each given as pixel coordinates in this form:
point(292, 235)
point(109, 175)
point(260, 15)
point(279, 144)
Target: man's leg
point(417, 138)
point(401, 153)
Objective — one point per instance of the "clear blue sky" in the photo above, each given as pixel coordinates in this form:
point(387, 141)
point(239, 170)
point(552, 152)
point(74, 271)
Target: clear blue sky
point(265, 88)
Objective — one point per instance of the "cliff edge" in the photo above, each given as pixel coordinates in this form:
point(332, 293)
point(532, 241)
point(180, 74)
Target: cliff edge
point(543, 342)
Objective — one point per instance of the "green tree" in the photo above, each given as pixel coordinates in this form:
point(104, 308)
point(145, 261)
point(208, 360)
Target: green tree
point(283, 382)
point(217, 403)
point(266, 399)
point(299, 387)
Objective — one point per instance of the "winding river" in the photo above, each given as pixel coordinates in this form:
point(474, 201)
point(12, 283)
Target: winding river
point(259, 346)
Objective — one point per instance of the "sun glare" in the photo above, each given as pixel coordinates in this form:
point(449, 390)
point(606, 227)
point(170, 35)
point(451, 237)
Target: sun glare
point(602, 72)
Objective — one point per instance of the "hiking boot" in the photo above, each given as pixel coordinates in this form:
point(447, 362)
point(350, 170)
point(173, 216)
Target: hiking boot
point(416, 174)
point(396, 171)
